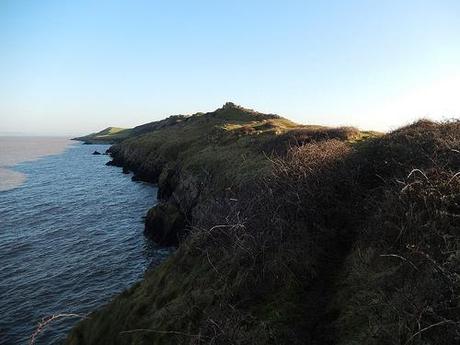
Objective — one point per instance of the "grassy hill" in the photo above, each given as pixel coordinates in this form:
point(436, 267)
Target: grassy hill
point(291, 234)
point(108, 135)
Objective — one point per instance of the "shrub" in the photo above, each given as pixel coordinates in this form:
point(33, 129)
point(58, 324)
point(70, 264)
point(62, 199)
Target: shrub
point(402, 276)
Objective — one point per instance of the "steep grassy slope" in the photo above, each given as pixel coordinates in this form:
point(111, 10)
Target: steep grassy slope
point(294, 235)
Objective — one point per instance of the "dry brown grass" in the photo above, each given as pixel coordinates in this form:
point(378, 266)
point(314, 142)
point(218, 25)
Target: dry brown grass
point(47, 321)
point(309, 134)
point(402, 277)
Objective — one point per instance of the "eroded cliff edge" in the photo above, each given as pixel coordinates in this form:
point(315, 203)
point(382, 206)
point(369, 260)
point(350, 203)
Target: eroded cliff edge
point(198, 157)
point(291, 234)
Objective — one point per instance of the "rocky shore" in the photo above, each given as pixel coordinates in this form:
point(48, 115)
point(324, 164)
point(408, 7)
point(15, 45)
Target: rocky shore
point(165, 223)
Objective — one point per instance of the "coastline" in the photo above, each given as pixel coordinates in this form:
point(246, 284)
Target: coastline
point(212, 175)
point(284, 235)
point(81, 223)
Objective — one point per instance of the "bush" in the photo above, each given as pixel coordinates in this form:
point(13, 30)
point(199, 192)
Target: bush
point(402, 276)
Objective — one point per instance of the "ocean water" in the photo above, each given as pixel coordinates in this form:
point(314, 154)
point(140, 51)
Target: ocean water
point(14, 150)
point(70, 239)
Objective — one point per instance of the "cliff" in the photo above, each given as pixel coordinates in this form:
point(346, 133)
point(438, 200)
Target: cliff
point(291, 234)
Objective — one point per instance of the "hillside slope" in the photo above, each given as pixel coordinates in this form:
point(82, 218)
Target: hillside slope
point(108, 135)
point(196, 157)
point(292, 234)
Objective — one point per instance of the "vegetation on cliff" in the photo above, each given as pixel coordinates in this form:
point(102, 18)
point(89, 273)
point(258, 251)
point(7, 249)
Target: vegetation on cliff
point(293, 234)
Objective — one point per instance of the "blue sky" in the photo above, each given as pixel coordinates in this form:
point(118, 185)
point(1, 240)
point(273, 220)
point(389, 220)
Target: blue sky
point(71, 67)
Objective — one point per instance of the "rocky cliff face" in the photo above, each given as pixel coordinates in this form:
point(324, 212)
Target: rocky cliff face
point(184, 154)
point(178, 193)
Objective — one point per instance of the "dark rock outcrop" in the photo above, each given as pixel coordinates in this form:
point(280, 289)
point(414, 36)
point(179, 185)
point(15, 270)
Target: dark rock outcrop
point(165, 224)
point(110, 163)
point(96, 153)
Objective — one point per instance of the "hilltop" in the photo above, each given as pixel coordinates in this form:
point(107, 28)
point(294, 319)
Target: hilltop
point(108, 135)
point(291, 234)
point(229, 117)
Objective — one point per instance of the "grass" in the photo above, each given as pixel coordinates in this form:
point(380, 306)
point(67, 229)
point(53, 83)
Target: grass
point(107, 135)
point(111, 130)
point(296, 235)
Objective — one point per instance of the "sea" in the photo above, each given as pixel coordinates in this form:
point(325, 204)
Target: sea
point(71, 236)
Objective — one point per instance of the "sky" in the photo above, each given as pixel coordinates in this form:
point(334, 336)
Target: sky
point(74, 67)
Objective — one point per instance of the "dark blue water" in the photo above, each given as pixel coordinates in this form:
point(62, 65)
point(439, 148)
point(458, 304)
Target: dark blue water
point(70, 239)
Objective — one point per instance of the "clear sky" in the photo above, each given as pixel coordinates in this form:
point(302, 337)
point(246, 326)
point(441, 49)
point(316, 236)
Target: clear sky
point(72, 67)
